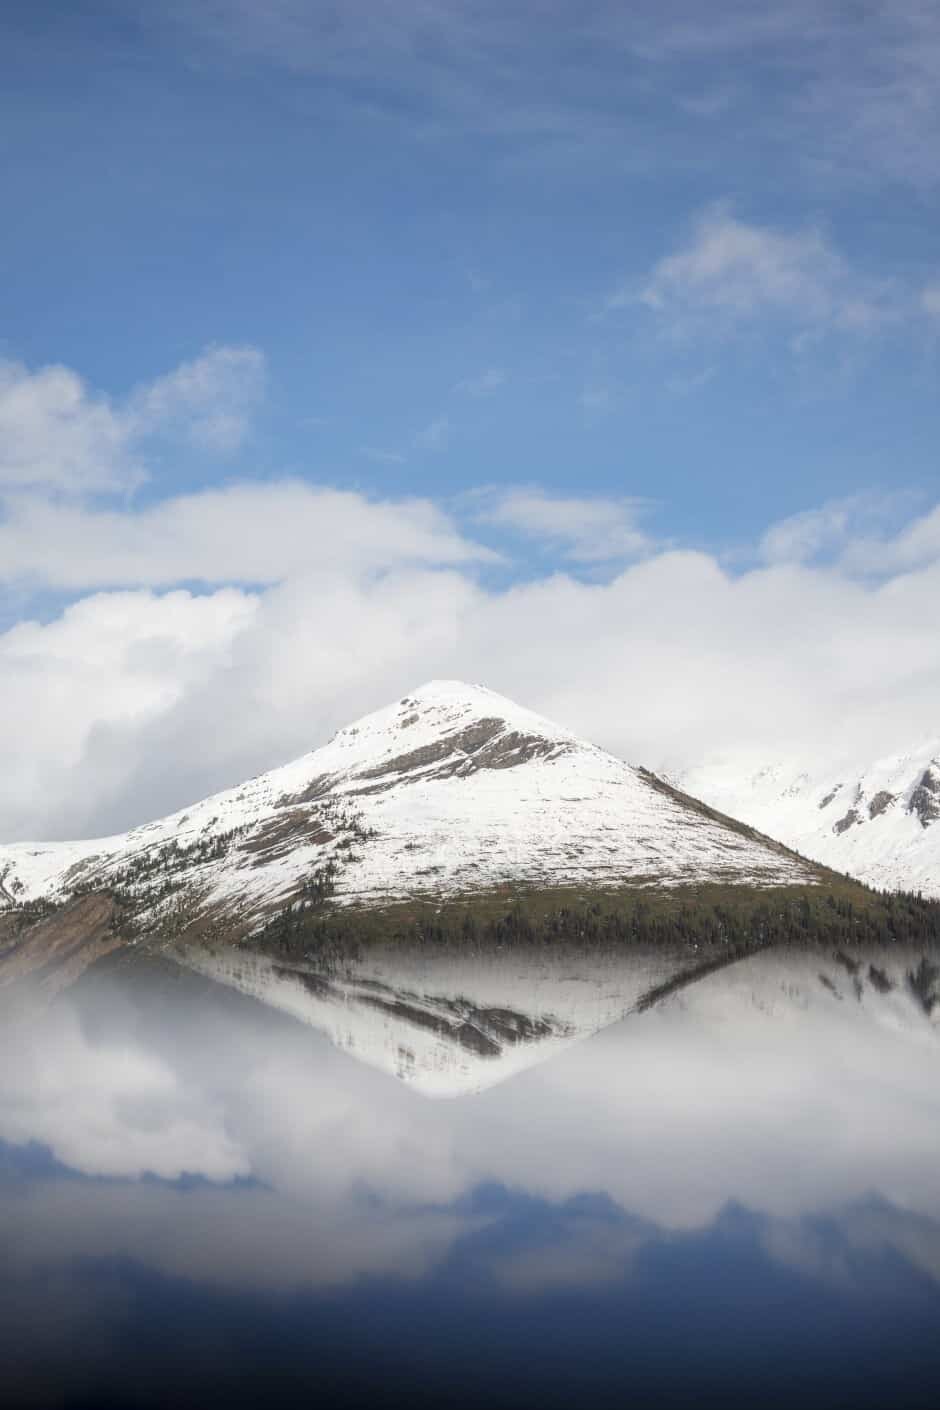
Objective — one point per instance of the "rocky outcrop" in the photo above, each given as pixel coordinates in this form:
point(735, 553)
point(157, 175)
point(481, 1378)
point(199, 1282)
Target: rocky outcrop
point(925, 800)
point(880, 803)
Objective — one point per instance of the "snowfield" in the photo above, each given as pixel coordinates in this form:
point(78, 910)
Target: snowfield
point(451, 790)
point(879, 822)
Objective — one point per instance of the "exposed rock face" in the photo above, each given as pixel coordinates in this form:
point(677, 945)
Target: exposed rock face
point(850, 819)
point(880, 803)
point(925, 800)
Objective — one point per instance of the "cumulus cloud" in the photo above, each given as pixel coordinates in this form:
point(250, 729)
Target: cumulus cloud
point(256, 533)
point(674, 657)
point(56, 433)
point(594, 530)
point(109, 662)
point(732, 271)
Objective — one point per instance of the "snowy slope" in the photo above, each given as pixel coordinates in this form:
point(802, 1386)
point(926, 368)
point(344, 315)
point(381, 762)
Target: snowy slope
point(877, 821)
point(451, 790)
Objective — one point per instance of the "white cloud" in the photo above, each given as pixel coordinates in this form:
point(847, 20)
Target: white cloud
point(243, 533)
point(113, 661)
point(805, 535)
point(208, 400)
point(731, 272)
point(930, 300)
point(585, 530)
point(915, 546)
point(57, 434)
point(131, 704)
point(864, 536)
point(483, 385)
point(833, 530)
point(54, 432)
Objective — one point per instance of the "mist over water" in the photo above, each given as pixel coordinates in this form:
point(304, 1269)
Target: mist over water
point(518, 1177)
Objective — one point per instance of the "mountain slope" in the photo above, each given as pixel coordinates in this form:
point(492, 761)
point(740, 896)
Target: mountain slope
point(452, 790)
point(879, 822)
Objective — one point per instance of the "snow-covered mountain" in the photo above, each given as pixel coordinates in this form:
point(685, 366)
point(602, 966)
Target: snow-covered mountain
point(879, 822)
point(451, 790)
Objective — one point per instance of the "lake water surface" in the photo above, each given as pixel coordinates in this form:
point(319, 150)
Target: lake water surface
point(506, 1178)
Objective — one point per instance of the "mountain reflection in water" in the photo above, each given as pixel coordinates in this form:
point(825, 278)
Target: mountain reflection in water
point(654, 1179)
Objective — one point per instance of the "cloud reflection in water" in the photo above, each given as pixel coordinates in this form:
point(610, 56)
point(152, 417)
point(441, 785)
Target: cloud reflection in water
point(765, 1137)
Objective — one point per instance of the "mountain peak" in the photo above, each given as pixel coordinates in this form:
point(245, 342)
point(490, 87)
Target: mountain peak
point(442, 720)
point(443, 701)
point(441, 689)
point(451, 790)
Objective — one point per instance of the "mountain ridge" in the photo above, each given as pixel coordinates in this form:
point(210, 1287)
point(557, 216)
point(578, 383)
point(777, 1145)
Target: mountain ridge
point(878, 821)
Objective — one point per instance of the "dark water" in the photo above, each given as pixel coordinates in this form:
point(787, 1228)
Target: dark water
point(429, 1181)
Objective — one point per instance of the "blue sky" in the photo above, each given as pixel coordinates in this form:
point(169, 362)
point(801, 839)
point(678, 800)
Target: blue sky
point(397, 213)
point(590, 284)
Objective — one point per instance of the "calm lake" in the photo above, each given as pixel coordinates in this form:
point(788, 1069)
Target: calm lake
point(488, 1178)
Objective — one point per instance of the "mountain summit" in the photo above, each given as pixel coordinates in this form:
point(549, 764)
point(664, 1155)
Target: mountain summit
point(452, 790)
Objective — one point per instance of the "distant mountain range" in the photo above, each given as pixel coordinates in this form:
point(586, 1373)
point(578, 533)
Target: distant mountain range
point(879, 822)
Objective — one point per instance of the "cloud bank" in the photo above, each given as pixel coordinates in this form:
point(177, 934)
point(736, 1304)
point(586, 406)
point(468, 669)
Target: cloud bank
point(130, 703)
